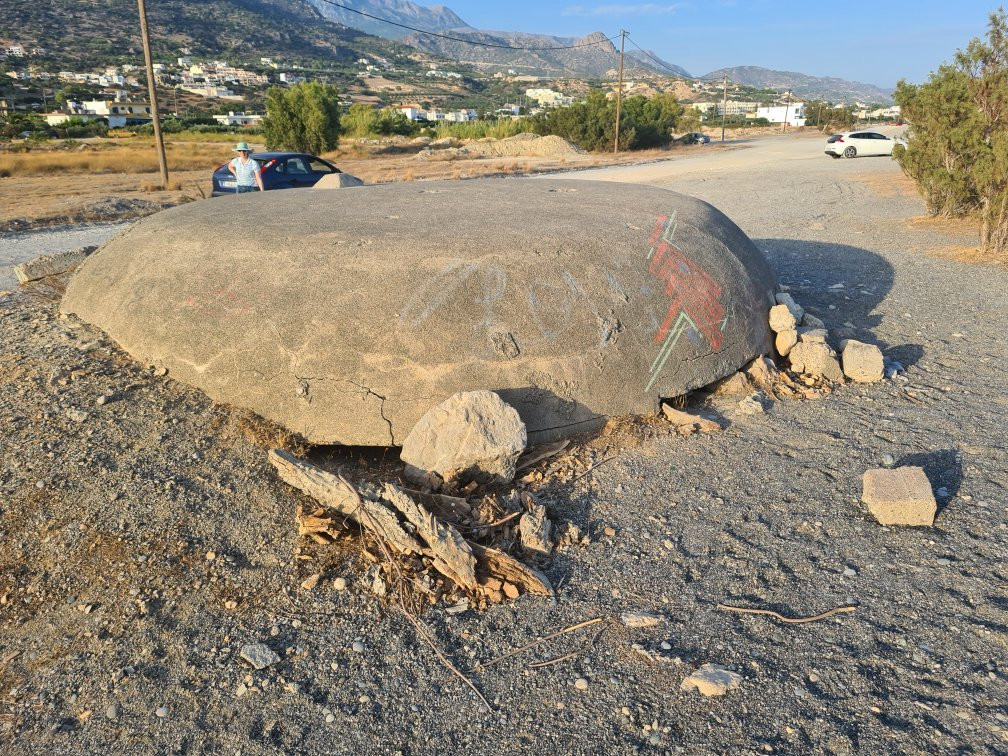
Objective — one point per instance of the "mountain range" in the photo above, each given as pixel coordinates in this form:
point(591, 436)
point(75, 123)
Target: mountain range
point(803, 85)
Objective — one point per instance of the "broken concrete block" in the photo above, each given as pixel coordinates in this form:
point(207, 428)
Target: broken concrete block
point(736, 384)
point(51, 265)
point(754, 404)
point(762, 372)
point(641, 619)
point(471, 434)
point(337, 181)
point(782, 319)
point(815, 359)
point(796, 309)
point(536, 530)
point(900, 496)
point(712, 680)
point(812, 335)
point(862, 362)
point(785, 341)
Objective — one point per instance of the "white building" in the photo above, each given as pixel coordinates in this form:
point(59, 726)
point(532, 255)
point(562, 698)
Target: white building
point(794, 113)
point(412, 112)
point(291, 79)
point(239, 119)
point(548, 98)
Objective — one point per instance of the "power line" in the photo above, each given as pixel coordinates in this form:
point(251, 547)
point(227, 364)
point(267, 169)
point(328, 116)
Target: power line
point(461, 39)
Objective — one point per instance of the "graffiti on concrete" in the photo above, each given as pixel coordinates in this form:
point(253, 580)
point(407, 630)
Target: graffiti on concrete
point(695, 309)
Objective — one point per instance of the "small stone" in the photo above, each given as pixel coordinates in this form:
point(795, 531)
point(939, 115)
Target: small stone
point(609, 531)
point(329, 718)
point(785, 342)
point(210, 556)
point(100, 401)
point(581, 684)
point(712, 680)
point(762, 372)
point(259, 655)
point(942, 492)
point(736, 384)
point(752, 404)
point(900, 496)
point(782, 319)
point(665, 646)
point(850, 572)
point(862, 362)
point(812, 335)
point(887, 460)
point(511, 591)
point(535, 531)
point(689, 421)
point(813, 678)
point(358, 647)
point(78, 416)
point(641, 619)
point(161, 372)
point(311, 581)
point(339, 584)
point(811, 321)
point(944, 562)
point(112, 712)
point(162, 712)
point(796, 309)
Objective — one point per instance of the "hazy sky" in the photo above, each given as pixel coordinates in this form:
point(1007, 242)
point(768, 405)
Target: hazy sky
point(877, 42)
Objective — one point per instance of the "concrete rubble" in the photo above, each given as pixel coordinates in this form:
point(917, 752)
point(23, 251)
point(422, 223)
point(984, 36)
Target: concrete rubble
point(816, 359)
point(862, 363)
point(536, 530)
point(899, 496)
point(51, 265)
point(471, 435)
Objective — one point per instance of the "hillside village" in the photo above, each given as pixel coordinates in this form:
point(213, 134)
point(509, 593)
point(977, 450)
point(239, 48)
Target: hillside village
point(233, 94)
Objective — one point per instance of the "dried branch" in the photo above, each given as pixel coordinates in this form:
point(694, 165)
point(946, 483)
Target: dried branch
point(782, 618)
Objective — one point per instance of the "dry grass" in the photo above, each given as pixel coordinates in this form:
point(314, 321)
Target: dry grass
point(968, 255)
point(156, 185)
point(889, 185)
point(135, 157)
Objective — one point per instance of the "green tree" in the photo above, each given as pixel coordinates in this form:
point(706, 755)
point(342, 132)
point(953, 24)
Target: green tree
point(958, 147)
point(303, 118)
point(690, 120)
point(359, 120)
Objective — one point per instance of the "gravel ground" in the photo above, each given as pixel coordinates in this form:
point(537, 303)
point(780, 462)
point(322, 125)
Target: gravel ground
point(118, 631)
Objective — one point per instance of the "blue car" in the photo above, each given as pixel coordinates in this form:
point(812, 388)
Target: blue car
point(280, 170)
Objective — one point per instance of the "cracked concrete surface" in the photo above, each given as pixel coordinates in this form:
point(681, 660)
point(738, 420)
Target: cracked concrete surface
point(575, 305)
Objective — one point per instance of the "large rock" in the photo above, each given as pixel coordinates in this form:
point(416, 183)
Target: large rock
point(900, 496)
point(862, 362)
point(346, 319)
point(473, 435)
point(712, 680)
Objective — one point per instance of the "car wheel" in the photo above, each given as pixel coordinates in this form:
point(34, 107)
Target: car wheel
point(850, 152)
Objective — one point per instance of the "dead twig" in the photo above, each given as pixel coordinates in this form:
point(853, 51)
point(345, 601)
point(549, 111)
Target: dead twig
point(537, 642)
point(421, 630)
point(782, 618)
point(588, 646)
point(593, 468)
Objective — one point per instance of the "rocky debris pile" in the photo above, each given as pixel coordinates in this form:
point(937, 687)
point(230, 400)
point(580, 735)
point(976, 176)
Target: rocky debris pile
point(471, 435)
point(900, 496)
point(520, 145)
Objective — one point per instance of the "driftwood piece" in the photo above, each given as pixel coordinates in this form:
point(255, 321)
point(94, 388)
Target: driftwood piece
point(451, 554)
point(538, 454)
point(497, 564)
point(331, 491)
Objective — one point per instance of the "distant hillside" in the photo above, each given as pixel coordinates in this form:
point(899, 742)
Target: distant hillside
point(435, 18)
point(101, 32)
point(803, 85)
point(656, 63)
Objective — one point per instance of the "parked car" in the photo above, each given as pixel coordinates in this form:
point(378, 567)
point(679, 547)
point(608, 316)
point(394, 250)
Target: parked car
point(854, 143)
point(280, 170)
point(695, 137)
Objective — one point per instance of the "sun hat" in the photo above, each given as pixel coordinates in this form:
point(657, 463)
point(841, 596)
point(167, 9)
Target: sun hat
point(242, 147)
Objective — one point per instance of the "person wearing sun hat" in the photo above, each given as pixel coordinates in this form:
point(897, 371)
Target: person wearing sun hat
point(245, 169)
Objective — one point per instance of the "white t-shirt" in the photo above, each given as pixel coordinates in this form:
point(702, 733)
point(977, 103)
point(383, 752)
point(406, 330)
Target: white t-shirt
point(245, 172)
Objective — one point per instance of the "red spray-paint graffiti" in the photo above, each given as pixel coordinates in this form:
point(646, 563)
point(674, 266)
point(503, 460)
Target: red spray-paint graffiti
point(695, 308)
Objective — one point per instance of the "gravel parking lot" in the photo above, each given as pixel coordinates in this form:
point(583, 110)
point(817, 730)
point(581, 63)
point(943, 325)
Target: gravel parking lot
point(144, 540)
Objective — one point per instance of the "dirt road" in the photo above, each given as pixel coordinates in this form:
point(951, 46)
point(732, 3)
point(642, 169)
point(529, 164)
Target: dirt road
point(144, 541)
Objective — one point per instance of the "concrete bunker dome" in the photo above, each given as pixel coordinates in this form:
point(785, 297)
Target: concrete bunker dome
point(345, 316)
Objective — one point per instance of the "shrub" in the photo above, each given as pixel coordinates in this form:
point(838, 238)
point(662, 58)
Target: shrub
point(303, 118)
point(957, 152)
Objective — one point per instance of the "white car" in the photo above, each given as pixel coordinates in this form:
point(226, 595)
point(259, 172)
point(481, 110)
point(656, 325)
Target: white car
point(854, 143)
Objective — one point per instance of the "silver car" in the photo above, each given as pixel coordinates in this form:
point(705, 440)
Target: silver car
point(854, 143)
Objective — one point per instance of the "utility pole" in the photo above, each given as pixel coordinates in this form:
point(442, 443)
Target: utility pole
point(619, 90)
point(787, 107)
point(152, 93)
point(724, 105)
